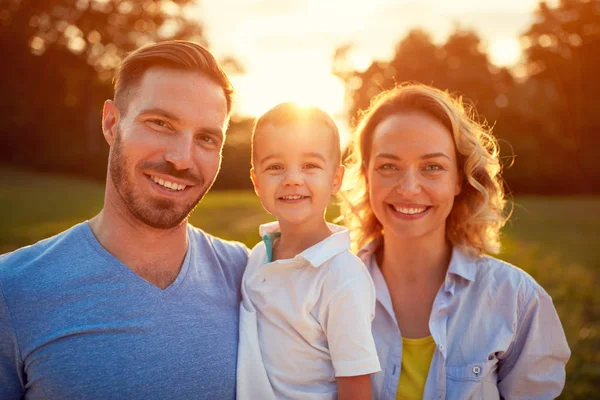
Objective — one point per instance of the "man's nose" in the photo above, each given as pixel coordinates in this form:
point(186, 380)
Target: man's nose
point(180, 152)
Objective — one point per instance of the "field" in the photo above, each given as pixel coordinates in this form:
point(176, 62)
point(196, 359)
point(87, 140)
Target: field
point(555, 239)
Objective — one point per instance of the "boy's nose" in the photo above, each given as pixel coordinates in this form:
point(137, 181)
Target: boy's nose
point(293, 178)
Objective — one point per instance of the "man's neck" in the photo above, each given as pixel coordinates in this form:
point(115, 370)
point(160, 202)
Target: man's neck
point(295, 238)
point(154, 254)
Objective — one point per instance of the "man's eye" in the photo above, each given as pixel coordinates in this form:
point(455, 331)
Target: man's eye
point(159, 123)
point(208, 139)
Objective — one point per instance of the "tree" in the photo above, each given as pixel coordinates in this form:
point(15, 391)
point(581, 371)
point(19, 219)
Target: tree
point(61, 56)
point(562, 49)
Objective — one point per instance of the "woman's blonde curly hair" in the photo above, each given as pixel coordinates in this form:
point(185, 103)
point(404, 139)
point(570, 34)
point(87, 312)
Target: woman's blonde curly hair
point(478, 213)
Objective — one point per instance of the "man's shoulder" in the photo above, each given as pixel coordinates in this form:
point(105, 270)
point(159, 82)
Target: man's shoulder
point(223, 248)
point(49, 250)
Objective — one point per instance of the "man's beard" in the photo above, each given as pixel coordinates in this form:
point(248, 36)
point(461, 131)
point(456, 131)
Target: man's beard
point(157, 213)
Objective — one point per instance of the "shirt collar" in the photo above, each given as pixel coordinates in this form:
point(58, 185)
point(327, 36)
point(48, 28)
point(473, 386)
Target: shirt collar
point(461, 265)
point(318, 254)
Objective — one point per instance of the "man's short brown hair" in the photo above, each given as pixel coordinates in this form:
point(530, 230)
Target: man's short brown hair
point(176, 54)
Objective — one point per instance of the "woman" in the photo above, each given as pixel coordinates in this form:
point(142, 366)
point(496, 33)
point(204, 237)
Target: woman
point(426, 206)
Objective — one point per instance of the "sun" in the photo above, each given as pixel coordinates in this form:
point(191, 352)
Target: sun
point(505, 52)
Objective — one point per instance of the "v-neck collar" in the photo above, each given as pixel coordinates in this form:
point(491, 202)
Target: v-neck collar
point(134, 277)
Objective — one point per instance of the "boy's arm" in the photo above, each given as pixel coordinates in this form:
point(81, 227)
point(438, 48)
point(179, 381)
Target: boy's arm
point(354, 387)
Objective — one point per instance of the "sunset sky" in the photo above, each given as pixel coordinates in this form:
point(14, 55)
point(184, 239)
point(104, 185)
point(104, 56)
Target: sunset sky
point(286, 46)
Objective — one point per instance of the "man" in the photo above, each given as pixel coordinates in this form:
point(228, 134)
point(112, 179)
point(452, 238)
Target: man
point(135, 303)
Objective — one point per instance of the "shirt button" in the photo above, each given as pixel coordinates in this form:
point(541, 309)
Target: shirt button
point(476, 370)
point(441, 347)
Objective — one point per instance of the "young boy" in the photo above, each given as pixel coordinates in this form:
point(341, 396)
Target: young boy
point(308, 302)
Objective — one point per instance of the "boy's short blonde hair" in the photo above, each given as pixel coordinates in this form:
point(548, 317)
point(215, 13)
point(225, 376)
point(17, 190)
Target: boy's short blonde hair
point(478, 213)
point(293, 113)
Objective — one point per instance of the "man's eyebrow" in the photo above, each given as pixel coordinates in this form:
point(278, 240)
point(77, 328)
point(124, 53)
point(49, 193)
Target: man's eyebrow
point(210, 131)
point(423, 157)
point(160, 111)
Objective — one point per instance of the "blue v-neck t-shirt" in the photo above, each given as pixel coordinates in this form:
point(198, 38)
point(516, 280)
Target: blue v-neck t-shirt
point(76, 323)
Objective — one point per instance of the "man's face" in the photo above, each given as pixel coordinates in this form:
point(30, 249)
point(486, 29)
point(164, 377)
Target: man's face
point(166, 149)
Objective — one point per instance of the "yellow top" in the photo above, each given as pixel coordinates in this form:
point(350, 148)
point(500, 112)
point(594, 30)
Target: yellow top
point(416, 358)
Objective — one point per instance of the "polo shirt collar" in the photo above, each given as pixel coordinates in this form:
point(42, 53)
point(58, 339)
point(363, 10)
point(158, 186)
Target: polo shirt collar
point(318, 254)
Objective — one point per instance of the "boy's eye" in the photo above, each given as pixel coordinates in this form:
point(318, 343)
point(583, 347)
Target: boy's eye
point(311, 166)
point(274, 167)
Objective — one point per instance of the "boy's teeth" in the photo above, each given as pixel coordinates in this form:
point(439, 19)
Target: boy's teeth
point(292, 197)
point(410, 211)
point(167, 184)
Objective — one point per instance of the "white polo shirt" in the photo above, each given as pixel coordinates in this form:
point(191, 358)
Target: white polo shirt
point(304, 321)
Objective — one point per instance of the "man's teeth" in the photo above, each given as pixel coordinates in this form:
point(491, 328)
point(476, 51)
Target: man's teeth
point(167, 184)
point(292, 197)
point(410, 211)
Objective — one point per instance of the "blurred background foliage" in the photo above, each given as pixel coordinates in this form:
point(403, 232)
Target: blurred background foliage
point(60, 57)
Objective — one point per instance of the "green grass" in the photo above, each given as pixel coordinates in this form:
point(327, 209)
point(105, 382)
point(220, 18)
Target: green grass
point(555, 239)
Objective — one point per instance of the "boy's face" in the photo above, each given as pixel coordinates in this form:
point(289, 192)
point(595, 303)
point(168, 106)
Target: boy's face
point(296, 170)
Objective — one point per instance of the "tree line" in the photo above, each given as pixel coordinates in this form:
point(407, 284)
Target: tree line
point(60, 55)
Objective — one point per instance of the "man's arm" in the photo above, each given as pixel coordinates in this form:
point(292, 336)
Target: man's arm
point(11, 368)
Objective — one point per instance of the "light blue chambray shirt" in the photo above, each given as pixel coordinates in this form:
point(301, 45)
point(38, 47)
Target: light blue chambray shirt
point(496, 331)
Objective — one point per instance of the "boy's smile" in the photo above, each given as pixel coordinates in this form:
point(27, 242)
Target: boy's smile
point(295, 171)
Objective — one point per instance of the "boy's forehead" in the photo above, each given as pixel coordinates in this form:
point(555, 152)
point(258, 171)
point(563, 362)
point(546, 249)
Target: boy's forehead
point(309, 136)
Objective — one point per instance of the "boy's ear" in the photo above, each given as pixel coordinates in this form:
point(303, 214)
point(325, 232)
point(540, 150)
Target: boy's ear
point(338, 179)
point(110, 121)
point(253, 179)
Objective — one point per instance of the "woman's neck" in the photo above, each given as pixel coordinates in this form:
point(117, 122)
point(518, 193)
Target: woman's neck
point(415, 261)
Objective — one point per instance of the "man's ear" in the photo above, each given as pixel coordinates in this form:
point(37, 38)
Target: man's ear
point(254, 182)
point(338, 179)
point(110, 121)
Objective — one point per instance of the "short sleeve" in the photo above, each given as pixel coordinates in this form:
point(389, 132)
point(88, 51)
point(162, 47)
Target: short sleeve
point(534, 365)
point(11, 368)
point(346, 320)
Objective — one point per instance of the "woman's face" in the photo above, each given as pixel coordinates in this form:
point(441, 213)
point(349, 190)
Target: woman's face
point(412, 175)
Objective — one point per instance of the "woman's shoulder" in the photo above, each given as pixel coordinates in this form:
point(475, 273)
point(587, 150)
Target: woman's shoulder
point(501, 275)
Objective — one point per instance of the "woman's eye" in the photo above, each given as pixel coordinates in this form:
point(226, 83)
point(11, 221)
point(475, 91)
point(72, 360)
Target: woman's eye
point(434, 167)
point(387, 167)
